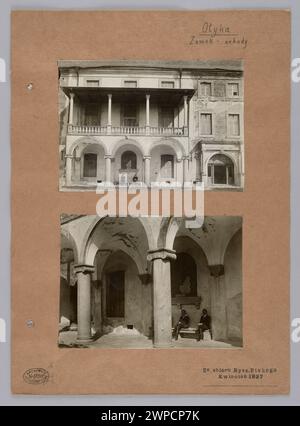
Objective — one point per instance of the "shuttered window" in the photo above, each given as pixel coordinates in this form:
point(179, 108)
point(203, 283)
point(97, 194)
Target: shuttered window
point(234, 124)
point(205, 89)
point(206, 124)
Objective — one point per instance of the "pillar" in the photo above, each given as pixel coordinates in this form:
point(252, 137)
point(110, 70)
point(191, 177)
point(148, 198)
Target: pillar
point(147, 170)
point(162, 301)
point(218, 301)
point(69, 169)
point(107, 168)
point(84, 302)
point(109, 113)
point(186, 169)
point(71, 109)
point(185, 108)
point(147, 114)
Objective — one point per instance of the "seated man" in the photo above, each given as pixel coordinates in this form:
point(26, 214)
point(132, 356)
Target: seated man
point(204, 324)
point(183, 322)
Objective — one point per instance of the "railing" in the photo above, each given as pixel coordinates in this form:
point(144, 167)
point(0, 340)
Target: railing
point(128, 130)
point(173, 131)
point(86, 130)
point(75, 129)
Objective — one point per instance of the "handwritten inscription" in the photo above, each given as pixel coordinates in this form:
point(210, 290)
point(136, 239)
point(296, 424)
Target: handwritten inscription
point(221, 35)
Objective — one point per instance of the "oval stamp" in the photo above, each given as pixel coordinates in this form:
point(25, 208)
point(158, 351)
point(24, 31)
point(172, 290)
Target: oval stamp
point(36, 376)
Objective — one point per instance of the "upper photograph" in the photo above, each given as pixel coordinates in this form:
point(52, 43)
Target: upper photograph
point(150, 122)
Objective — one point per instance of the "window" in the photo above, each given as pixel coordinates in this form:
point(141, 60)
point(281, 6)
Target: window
point(91, 115)
point(168, 84)
point(90, 165)
point(220, 170)
point(234, 124)
point(206, 124)
point(92, 83)
point(128, 160)
point(166, 117)
point(205, 89)
point(130, 115)
point(233, 89)
point(115, 294)
point(167, 166)
point(130, 83)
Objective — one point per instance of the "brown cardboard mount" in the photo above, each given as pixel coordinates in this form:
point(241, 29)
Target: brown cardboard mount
point(39, 41)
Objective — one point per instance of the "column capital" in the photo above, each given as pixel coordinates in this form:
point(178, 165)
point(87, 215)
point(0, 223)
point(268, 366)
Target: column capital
point(147, 95)
point(84, 269)
point(107, 156)
point(162, 253)
point(216, 270)
point(72, 95)
point(109, 95)
point(147, 157)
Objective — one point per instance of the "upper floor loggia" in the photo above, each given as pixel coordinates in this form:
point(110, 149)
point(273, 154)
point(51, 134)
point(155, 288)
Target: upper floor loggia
point(128, 110)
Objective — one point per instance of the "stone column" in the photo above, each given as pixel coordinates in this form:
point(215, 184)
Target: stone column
point(71, 109)
point(69, 169)
point(147, 114)
point(185, 169)
point(109, 113)
point(147, 170)
point(218, 302)
point(162, 302)
point(84, 302)
point(185, 108)
point(107, 168)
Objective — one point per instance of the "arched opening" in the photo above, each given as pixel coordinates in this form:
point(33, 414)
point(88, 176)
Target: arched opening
point(121, 293)
point(90, 164)
point(128, 161)
point(163, 160)
point(128, 164)
point(220, 170)
point(189, 279)
point(121, 301)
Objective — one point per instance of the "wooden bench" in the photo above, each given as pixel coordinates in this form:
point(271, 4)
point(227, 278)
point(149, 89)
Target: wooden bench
point(192, 333)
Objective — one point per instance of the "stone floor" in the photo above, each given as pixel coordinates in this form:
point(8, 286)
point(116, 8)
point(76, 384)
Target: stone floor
point(112, 340)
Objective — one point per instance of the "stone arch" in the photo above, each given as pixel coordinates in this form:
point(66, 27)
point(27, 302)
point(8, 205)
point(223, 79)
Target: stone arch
point(89, 249)
point(120, 144)
point(168, 230)
point(225, 154)
point(85, 141)
point(172, 143)
point(68, 240)
point(235, 231)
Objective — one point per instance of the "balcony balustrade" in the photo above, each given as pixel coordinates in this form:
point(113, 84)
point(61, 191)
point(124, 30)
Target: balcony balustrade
point(78, 129)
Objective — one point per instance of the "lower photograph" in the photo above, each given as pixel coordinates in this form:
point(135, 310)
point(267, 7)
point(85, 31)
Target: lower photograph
point(150, 282)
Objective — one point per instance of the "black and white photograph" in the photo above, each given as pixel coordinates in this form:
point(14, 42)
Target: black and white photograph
point(150, 282)
point(151, 122)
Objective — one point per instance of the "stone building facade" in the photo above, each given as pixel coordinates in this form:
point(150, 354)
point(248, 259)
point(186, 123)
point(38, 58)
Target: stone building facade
point(139, 272)
point(151, 122)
